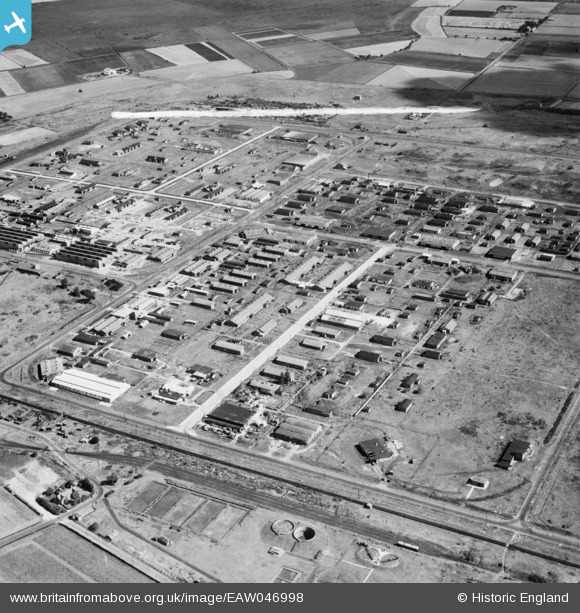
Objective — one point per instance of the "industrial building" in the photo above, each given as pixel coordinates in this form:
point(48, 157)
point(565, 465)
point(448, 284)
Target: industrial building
point(229, 347)
point(230, 415)
point(48, 368)
point(86, 384)
point(92, 255)
point(517, 450)
point(374, 450)
point(250, 310)
point(296, 430)
point(312, 343)
point(13, 239)
point(290, 362)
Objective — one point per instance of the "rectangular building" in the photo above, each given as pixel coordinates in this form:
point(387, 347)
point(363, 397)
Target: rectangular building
point(86, 384)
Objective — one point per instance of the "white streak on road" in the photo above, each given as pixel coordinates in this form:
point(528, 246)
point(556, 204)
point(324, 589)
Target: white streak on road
point(293, 112)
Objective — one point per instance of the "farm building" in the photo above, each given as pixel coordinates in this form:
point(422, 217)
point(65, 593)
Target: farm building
point(374, 450)
point(517, 450)
point(86, 384)
point(228, 347)
point(290, 362)
point(296, 430)
point(230, 415)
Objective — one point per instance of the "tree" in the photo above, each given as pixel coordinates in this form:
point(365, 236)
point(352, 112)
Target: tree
point(89, 294)
point(94, 526)
point(65, 282)
point(76, 292)
point(87, 485)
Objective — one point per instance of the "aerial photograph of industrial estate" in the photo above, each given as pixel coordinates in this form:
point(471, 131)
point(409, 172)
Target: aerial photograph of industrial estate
point(289, 292)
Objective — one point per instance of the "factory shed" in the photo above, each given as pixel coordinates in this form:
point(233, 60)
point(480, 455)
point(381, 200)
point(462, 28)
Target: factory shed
point(387, 341)
point(145, 355)
point(174, 334)
point(86, 384)
point(290, 362)
point(369, 356)
point(325, 412)
point(380, 234)
point(203, 303)
point(250, 310)
point(435, 341)
point(296, 430)
point(227, 347)
point(326, 332)
point(312, 343)
point(264, 387)
point(70, 351)
point(230, 415)
point(501, 253)
point(432, 354)
point(502, 275)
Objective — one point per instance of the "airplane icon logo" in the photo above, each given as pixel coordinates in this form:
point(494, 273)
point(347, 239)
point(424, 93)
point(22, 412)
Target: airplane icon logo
point(17, 23)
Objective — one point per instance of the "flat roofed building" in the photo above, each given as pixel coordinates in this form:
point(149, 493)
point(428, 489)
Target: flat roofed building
point(50, 367)
point(229, 347)
point(92, 386)
point(302, 160)
point(502, 275)
point(326, 332)
point(501, 253)
point(264, 387)
point(230, 415)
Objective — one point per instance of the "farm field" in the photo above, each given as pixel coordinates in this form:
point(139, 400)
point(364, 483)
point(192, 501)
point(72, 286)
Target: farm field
point(355, 72)
point(29, 563)
point(382, 48)
point(199, 71)
point(346, 32)
point(412, 77)
point(309, 53)
point(97, 564)
point(423, 59)
point(487, 33)
point(21, 136)
point(541, 62)
point(178, 55)
point(561, 46)
point(14, 514)
point(428, 23)
point(524, 82)
point(470, 47)
point(141, 60)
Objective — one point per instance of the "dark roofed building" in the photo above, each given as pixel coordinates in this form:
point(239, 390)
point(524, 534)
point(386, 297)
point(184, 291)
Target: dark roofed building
point(375, 450)
point(230, 415)
point(501, 253)
point(517, 450)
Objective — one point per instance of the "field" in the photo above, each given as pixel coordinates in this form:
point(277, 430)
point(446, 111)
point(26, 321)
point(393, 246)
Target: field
point(351, 42)
point(542, 62)
point(381, 49)
point(178, 55)
point(411, 77)
point(23, 298)
point(562, 46)
point(141, 60)
point(22, 57)
point(470, 47)
point(524, 82)
point(29, 563)
point(8, 85)
point(14, 514)
point(429, 22)
point(309, 53)
point(89, 560)
point(21, 136)
point(440, 61)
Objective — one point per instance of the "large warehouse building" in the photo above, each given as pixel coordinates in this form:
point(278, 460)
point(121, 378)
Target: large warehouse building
point(84, 383)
